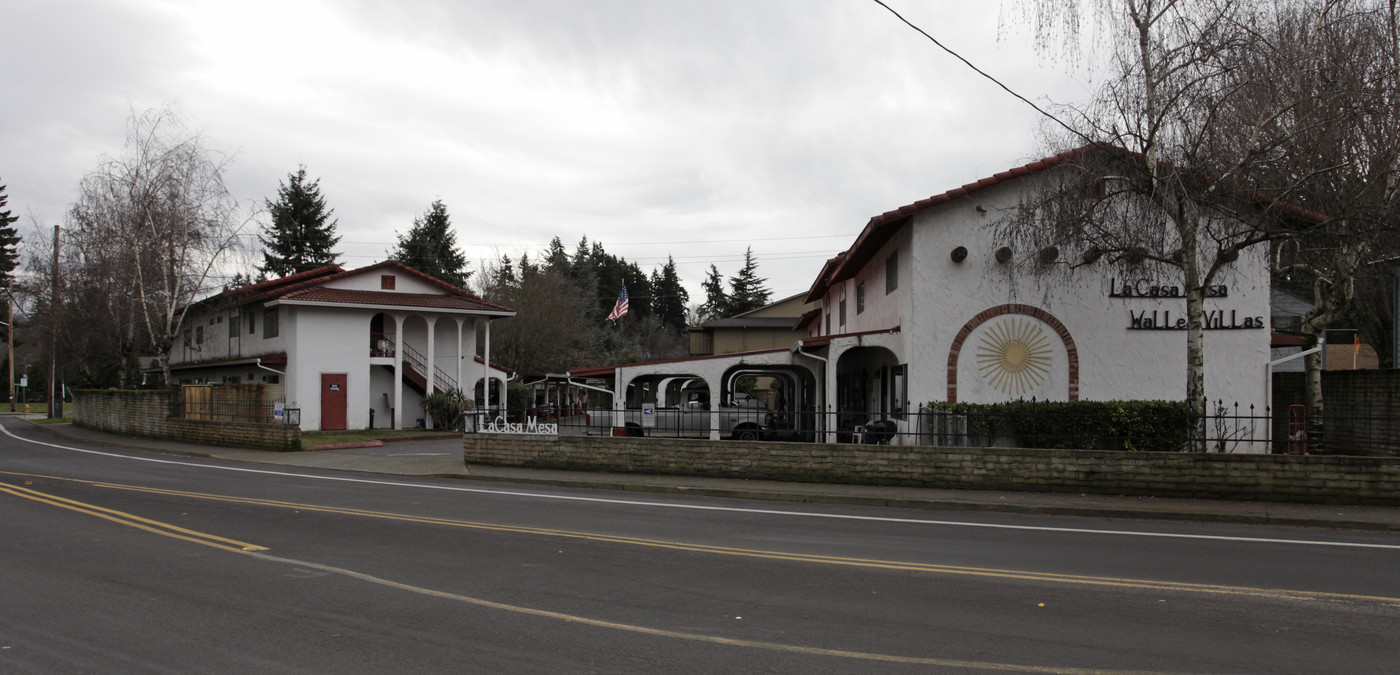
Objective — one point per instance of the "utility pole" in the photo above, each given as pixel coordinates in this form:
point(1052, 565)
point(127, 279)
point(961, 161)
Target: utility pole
point(10, 340)
point(55, 392)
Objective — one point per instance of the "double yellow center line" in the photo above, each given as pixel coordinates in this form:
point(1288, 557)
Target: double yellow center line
point(130, 520)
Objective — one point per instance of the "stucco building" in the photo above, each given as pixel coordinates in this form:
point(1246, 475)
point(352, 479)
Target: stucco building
point(350, 348)
point(931, 304)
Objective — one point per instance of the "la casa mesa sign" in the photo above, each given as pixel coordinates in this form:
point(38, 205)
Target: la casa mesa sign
point(531, 426)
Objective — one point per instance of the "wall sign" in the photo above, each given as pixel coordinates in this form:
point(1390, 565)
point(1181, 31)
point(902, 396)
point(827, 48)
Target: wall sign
point(1148, 288)
point(1217, 319)
point(528, 427)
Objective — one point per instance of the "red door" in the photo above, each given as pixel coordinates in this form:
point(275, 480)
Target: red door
point(332, 401)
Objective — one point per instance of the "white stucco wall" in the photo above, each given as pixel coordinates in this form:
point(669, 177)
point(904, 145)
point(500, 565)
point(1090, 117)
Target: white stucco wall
point(218, 344)
point(327, 340)
point(403, 283)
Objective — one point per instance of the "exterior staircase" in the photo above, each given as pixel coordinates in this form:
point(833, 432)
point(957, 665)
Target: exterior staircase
point(415, 365)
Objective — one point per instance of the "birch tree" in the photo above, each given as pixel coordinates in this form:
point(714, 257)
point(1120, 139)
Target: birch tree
point(1203, 140)
point(152, 225)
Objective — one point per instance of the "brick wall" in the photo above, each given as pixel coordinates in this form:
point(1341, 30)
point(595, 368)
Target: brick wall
point(1366, 404)
point(146, 413)
point(1279, 478)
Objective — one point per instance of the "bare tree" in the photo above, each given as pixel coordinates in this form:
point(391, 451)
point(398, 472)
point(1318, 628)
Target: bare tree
point(545, 335)
point(1203, 141)
point(152, 225)
point(1335, 71)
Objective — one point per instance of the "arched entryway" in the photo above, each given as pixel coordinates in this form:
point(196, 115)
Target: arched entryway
point(870, 386)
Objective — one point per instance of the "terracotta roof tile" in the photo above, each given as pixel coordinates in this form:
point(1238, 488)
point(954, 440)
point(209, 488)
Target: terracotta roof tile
point(465, 302)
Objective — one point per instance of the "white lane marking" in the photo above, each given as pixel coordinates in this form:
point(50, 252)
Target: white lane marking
point(733, 509)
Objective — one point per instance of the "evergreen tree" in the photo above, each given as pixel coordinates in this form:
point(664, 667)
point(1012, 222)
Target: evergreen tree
point(301, 235)
point(585, 274)
point(746, 289)
point(669, 297)
point(557, 260)
point(505, 274)
point(431, 247)
point(716, 303)
point(9, 241)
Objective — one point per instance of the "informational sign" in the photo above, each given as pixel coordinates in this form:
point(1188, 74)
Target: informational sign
point(24, 381)
point(335, 387)
point(279, 410)
point(648, 415)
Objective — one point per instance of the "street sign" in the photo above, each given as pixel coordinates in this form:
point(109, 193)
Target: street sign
point(648, 415)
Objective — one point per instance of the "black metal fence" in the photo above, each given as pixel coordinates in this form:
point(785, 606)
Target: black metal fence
point(1227, 428)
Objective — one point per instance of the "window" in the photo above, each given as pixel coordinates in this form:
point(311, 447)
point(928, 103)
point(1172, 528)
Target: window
point(199, 335)
point(860, 298)
point(252, 323)
point(892, 272)
point(386, 282)
point(233, 325)
point(842, 317)
point(269, 323)
point(828, 323)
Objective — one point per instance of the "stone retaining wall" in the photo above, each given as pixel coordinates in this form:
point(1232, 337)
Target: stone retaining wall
point(147, 413)
point(1277, 478)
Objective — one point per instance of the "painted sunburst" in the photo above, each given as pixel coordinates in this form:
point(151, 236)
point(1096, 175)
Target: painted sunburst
point(1014, 355)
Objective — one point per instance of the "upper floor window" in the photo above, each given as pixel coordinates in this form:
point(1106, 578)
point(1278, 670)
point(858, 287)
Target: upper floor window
point(892, 272)
point(233, 325)
point(199, 335)
point(828, 323)
point(842, 318)
point(386, 282)
point(252, 322)
point(270, 323)
point(860, 298)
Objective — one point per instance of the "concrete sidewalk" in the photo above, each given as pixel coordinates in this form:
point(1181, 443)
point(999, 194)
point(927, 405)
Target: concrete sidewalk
point(443, 458)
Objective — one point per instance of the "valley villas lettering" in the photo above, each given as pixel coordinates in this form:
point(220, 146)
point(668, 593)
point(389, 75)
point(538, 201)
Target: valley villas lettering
point(1217, 319)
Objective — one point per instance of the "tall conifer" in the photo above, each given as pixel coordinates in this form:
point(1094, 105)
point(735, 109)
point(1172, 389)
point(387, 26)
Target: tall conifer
point(301, 235)
point(431, 248)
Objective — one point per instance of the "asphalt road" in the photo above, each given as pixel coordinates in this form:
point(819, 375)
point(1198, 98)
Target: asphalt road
point(120, 561)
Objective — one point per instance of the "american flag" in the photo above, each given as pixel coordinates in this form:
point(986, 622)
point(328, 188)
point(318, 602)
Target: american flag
point(619, 309)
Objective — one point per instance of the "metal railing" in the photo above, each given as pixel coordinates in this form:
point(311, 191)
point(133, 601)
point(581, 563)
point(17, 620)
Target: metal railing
point(383, 345)
point(1228, 428)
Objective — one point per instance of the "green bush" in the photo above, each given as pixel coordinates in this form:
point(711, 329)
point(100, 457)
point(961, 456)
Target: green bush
point(1158, 426)
point(446, 408)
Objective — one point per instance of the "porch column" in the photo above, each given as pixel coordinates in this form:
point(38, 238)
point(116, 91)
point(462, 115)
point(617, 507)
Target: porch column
point(716, 397)
point(397, 412)
point(486, 368)
point(431, 367)
point(461, 358)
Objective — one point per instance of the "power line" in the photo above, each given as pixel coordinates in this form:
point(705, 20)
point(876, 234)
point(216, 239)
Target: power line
point(984, 74)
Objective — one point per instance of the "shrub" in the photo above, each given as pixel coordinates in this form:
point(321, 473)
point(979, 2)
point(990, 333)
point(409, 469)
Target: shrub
point(1159, 426)
point(446, 408)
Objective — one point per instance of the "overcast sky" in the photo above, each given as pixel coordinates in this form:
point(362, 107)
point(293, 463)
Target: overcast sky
point(657, 127)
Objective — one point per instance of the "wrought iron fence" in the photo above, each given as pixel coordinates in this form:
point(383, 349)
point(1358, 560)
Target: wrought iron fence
point(1227, 428)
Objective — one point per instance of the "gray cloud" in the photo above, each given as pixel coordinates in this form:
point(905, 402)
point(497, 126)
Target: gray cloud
point(633, 123)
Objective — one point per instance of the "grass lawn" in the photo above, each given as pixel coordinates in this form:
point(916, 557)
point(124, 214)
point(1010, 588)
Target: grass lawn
point(37, 409)
point(310, 438)
point(45, 420)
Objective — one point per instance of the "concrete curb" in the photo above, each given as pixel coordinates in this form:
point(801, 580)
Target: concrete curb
point(1202, 516)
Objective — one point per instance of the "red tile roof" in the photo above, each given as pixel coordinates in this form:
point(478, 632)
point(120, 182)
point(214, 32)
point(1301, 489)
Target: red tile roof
point(310, 286)
point(347, 296)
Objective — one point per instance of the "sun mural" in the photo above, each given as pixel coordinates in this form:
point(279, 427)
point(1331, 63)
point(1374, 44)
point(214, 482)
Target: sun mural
point(1014, 355)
